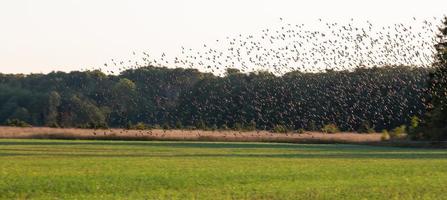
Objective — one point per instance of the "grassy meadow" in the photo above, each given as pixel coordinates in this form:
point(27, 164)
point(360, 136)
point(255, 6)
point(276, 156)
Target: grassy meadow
point(80, 169)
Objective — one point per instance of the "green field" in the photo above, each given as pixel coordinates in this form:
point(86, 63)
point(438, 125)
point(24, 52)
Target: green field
point(62, 169)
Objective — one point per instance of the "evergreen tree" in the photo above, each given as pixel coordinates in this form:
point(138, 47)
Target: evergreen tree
point(437, 103)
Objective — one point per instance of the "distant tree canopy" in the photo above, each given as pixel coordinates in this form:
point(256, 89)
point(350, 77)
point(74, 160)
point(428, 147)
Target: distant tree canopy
point(382, 98)
point(437, 104)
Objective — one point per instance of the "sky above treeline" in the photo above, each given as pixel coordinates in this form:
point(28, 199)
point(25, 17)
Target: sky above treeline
point(64, 35)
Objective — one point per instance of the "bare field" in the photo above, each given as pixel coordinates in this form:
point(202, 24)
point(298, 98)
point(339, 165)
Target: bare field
point(190, 135)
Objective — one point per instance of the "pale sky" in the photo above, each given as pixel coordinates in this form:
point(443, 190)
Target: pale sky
point(46, 35)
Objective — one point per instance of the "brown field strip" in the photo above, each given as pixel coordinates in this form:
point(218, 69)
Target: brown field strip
point(188, 135)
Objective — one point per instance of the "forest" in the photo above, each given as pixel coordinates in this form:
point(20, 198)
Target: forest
point(365, 98)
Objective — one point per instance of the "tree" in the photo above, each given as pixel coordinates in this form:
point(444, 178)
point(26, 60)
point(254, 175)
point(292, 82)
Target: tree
point(21, 114)
point(436, 124)
point(82, 113)
point(232, 71)
point(54, 101)
point(122, 100)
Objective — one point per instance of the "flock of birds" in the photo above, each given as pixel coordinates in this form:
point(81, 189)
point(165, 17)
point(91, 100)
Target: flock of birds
point(323, 46)
point(299, 47)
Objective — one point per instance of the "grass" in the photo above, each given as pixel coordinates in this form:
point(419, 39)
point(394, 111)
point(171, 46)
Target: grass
point(78, 169)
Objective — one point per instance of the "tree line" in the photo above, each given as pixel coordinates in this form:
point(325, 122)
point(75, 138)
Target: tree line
point(365, 98)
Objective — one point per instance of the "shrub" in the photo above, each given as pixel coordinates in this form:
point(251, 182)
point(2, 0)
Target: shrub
point(140, 126)
point(128, 125)
point(16, 123)
point(178, 125)
point(414, 130)
point(166, 126)
point(330, 128)
point(398, 132)
point(237, 126)
point(311, 126)
point(366, 127)
point(156, 126)
point(201, 125)
point(97, 125)
point(224, 127)
point(53, 125)
point(250, 126)
point(385, 135)
point(300, 131)
point(280, 129)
